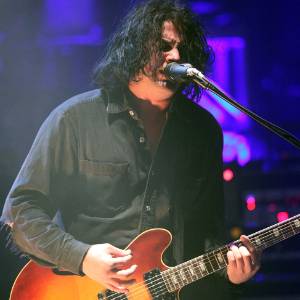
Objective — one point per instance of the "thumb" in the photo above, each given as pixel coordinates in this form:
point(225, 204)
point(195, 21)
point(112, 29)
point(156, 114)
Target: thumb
point(114, 251)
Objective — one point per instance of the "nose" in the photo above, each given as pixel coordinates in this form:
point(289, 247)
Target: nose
point(173, 55)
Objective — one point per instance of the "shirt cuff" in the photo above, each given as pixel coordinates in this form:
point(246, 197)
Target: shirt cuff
point(73, 256)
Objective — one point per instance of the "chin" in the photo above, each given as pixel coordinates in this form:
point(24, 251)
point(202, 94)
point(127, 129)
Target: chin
point(166, 92)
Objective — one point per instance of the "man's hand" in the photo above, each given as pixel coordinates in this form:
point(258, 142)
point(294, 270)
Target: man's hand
point(243, 262)
point(103, 263)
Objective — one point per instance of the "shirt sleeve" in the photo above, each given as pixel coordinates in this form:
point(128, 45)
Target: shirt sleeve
point(33, 200)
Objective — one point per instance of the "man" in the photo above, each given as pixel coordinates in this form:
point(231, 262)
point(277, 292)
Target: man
point(132, 155)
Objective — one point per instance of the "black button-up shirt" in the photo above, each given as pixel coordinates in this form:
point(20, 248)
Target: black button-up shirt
point(90, 162)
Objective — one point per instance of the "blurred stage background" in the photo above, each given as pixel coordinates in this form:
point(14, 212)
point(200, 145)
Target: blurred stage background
point(48, 49)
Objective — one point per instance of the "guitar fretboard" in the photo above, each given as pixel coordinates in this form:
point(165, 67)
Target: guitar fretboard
point(213, 261)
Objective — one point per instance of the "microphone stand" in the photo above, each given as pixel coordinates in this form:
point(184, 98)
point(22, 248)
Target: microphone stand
point(202, 81)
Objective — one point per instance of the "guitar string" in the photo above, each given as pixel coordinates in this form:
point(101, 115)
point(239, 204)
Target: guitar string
point(161, 287)
point(266, 237)
point(183, 268)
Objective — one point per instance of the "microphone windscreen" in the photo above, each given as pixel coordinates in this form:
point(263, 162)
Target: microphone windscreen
point(177, 72)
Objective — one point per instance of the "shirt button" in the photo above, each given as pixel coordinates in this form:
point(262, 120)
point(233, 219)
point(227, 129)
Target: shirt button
point(132, 113)
point(142, 139)
point(148, 208)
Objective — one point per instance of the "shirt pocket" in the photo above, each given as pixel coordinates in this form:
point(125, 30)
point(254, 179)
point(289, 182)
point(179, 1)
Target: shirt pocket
point(106, 187)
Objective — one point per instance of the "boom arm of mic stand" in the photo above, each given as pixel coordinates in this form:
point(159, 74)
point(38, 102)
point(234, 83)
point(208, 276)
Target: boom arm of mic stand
point(207, 85)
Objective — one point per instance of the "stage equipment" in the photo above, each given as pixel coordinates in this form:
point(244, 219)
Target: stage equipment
point(186, 72)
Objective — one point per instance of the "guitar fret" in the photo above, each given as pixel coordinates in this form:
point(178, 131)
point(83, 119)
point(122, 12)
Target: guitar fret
point(276, 232)
point(220, 258)
point(281, 232)
point(192, 272)
point(215, 260)
point(202, 266)
point(258, 241)
point(167, 280)
point(290, 231)
point(188, 275)
point(178, 278)
point(174, 278)
point(208, 264)
point(224, 253)
point(297, 223)
point(183, 276)
point(292, 226)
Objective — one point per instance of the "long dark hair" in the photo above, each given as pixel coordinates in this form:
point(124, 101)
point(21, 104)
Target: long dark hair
point(139, 37)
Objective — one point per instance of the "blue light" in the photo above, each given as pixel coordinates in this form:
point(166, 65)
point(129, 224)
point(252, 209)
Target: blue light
point(236, 147)
point(229, 73)
point(94, 36)
point(214, 109)
point(204, 7)
point(64, 16)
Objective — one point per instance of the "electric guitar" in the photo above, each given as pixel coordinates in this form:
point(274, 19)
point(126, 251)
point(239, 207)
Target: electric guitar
point(154, 279)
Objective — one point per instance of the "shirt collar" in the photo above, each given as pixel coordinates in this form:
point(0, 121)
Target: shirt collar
point(116, 102)
point(119, 102)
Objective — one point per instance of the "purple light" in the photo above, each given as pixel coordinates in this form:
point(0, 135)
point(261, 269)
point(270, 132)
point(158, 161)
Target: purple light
point(215, 110)
point(229, 73)
point(234, 112)
point(204, 7)
point(251, 202)
point(236, 147)
point(93, 37)
point(68, 16)
point(223, 19)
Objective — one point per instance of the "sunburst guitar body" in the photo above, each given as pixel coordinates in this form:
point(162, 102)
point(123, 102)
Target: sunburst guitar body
point(153, 279)
point(36, 282)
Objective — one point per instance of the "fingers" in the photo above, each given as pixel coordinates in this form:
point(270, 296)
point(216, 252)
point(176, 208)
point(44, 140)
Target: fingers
point(124, 274)
point(235, 258)
point(255, 254)
point(110, 266)
point(121, 276)
point(245, 258)
point(120, 280)
point(119, 261)
point(114, 251)
point(118, 257)
point(246, 242)
point(243, 261)
point(231, 259)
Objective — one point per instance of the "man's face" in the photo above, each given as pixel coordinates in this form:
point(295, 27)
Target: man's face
point(158, 84)
point(170, 41)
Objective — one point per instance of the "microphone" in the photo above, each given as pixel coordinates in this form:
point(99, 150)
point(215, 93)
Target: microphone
point(182, 72)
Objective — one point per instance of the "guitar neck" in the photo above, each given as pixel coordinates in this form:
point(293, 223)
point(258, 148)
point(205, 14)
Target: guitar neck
point(213, 261)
